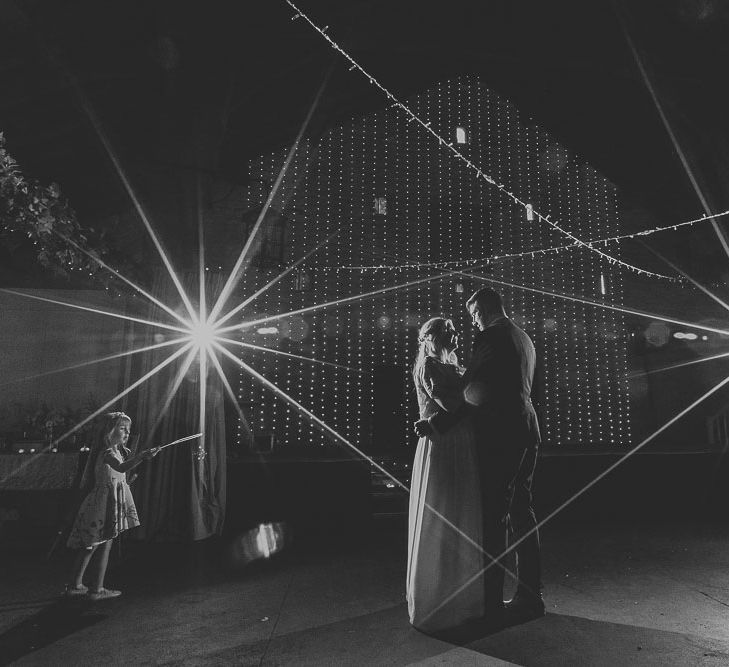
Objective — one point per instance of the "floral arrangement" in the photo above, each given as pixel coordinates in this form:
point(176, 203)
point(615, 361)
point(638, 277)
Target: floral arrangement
point(36, 214)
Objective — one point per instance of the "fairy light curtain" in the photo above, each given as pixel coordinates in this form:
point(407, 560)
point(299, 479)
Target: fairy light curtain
point(399, 198)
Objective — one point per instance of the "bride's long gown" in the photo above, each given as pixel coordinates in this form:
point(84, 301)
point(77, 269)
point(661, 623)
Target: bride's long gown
point(444, 587)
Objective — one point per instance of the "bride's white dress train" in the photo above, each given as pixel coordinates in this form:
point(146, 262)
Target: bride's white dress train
point(445, 561)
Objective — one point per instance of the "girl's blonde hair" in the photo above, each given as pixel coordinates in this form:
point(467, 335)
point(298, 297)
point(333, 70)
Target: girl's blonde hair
point(105, 425)
point(431, 343)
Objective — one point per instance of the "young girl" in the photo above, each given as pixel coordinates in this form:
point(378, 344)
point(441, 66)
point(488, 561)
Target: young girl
point(108, 508)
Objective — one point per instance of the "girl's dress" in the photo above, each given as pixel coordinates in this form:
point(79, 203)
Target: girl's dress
point(108, 509)
point(445, 561)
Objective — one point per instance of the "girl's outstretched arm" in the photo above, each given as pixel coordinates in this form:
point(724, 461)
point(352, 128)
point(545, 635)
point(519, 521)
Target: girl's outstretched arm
point(131, 462)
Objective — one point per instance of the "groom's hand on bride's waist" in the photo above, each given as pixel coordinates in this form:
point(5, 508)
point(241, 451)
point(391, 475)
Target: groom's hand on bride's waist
point(423, 428)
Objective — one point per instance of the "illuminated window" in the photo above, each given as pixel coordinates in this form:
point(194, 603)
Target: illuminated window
point(381, 205)
point(461, 135)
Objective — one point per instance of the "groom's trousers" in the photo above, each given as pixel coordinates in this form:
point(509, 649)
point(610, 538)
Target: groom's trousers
point(507, 507)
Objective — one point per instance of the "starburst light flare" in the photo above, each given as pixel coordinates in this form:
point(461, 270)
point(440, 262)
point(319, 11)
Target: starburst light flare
point(203, 334)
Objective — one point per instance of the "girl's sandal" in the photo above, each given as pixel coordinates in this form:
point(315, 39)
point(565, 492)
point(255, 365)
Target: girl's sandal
point(103, 594)
point(75, 591)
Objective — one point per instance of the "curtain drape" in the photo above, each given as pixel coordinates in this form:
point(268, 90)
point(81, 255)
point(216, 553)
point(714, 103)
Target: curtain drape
point(180, 495)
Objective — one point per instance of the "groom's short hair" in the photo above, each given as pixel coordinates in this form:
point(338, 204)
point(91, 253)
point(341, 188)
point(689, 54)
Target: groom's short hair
point(489, 300)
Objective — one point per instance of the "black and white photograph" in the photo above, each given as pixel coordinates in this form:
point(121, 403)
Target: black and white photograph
point(364, 332)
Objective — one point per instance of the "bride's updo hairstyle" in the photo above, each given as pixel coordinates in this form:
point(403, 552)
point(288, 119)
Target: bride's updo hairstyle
point(431, 343)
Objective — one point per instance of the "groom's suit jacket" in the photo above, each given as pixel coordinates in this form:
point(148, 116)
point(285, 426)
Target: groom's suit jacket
point(498, 383)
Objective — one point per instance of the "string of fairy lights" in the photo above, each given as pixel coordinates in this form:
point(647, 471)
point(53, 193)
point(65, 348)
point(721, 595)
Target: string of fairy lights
point(530, 254)
point(409, 200)
point(479, 172)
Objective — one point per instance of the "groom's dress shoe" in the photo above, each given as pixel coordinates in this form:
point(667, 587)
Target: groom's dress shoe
point(523, 608)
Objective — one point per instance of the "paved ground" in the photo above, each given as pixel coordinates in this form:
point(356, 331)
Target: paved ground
point(616, 595)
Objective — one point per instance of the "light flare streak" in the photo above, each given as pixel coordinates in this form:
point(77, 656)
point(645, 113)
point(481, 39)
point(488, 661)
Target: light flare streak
point(584, 490)
point(111, 153)
point(674, 139)
point(697, 284)
point(203, 356)
point(322, 425)
point(204, 330)
point(97, 311)
point(109, 357)
point(174, 386)
point(201, 257)
point(96, 123)
point(598, 304)
point(288, 354)
point(271, 283)
point(448, 274)
point(236, 270)
point(98, 411)
point(341, 302)
point(230, 392)
point(682, 364)
point(330, 431)
point(103, 264)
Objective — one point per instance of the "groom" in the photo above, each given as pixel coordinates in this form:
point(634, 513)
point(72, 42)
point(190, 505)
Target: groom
point(498, 382)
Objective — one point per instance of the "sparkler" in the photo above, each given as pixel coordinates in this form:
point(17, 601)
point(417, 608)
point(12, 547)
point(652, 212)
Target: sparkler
point(179, 440)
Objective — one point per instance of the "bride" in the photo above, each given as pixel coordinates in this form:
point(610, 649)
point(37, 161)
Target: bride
point(445, 555)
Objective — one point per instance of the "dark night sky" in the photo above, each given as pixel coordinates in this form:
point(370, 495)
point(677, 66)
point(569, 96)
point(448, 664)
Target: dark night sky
point(203, 86)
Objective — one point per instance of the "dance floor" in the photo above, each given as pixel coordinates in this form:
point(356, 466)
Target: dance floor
point(617, 594)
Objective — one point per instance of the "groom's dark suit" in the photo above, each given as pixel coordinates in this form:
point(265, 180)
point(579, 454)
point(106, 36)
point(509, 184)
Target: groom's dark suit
point(498, 385)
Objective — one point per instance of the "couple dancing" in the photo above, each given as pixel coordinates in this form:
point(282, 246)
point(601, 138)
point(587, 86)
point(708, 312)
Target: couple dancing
point(472, 475)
